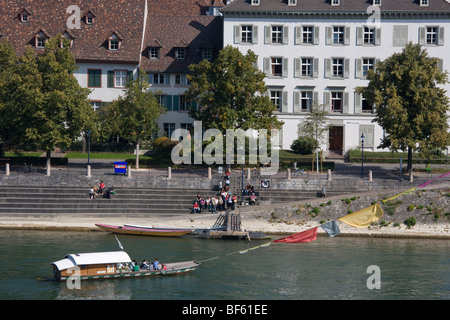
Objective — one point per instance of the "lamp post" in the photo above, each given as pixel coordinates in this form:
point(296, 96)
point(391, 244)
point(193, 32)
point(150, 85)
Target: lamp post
point(89, 145)
point(362, 155)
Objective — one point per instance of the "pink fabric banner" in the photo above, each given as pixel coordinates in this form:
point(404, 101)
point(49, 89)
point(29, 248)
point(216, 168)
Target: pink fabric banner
point(423, 185)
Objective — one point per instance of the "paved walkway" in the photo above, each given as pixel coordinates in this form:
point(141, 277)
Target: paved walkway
point(342, 170)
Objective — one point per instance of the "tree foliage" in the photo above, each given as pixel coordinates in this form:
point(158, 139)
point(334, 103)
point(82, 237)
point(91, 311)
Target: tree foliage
point(135, 114)
point(229, 92)
point(42, 104)
point(411, 104)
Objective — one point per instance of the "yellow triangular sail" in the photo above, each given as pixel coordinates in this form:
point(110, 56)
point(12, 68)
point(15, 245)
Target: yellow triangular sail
point(363, 218)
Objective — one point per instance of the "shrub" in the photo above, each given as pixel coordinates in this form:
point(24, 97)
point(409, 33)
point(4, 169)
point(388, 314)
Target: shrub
point(411, 221)
point(304, 145)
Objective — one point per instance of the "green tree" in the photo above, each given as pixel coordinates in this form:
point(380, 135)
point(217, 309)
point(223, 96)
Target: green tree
point(315, 124)
point(137, 111)
point(46, 106)
point(411, 104)
point(229, 92)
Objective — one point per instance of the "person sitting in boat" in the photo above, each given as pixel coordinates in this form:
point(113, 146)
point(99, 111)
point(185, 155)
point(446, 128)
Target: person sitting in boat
point(156, 264)
point(144, 264)
point(163, 266)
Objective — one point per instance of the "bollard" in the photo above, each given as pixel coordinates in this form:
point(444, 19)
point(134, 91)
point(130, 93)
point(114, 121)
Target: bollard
point(248, 174)
point(209, 173)
point(169, 172)
point(288, 174)
point(7, 169)
point(88, 171)
point(129, 172)
point(329, 175)
point(48, 171)
point(411, 177)
point(370, 175)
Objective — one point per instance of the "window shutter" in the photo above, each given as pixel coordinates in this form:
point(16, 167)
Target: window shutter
point(422, 35)
point(327, 68)
point(298, 35)
point(358, 103)
point(377, 36)
point(194, 104)
point(254, 34)
point(285, 68)
point(129, 76)
point(169, 102)
point(316, 35)
point(329, 35)
point(345, 103)
point(110, 79)
point(266, 67)
point(368, 131)
point(285, 34)
point(441, 36)
point(315, 99)
point(400, 36)
point(358, 68)
point(347, 36)
point(315, 68)
point(297, 68)
point(237, 34)
point(377, 61)
point(296, 101)
point(359, 36)
point(267, 35)
point(327, 101)
point(175, 103)
point(346, 68)
point(441, 65)
point(284, 101)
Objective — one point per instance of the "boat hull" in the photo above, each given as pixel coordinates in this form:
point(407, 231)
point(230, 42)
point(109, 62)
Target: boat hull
point(144, 231)
point(172, 270)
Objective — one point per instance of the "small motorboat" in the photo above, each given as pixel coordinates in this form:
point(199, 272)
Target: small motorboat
point(112, 265)
point(144, 231)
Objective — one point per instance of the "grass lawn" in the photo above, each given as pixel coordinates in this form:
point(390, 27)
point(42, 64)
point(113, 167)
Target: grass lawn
point(11, 154)
point(99, 155)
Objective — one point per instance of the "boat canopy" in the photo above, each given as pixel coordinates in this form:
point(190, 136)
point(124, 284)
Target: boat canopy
point(78, 259)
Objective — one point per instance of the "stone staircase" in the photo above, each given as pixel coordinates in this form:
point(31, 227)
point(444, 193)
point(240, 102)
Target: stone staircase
point(132, 202)
point(45, 201)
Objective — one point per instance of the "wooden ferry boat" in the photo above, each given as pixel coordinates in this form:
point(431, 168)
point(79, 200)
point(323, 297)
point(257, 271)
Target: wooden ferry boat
point(144, 231)
point(112, 265)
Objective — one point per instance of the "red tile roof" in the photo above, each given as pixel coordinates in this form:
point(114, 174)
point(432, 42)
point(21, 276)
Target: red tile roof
point(190, 32)
point(125, 17)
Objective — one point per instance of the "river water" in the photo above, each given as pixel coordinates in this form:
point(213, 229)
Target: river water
point(336, 268)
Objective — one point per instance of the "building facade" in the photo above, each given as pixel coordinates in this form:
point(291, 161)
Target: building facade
point(321, 51)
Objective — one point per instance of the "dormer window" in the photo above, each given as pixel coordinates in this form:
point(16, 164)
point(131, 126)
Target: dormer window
point(255, 2)
point(207, 54)
point(89, 17)
point(292, 2)
point(114, 42)
point(376, 2)
point(180, 53)
point(24, 16)
point(69, 36)
point(153, 53)
point(40, 39)
point(424, 3)
point(335, 2)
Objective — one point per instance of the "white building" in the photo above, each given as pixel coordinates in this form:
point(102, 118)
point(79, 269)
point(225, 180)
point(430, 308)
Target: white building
point(321, 50)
